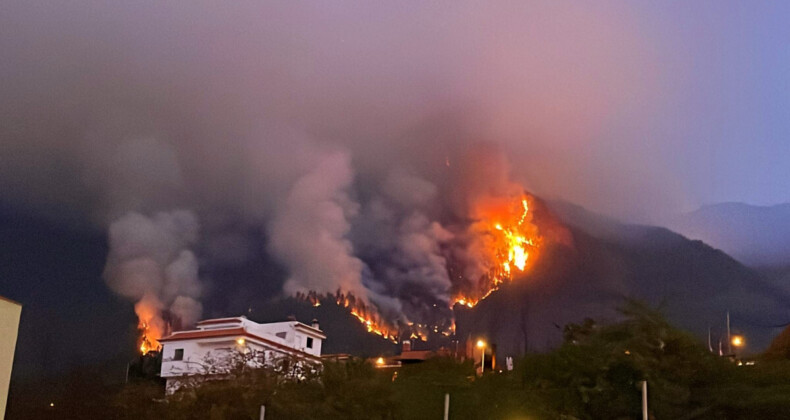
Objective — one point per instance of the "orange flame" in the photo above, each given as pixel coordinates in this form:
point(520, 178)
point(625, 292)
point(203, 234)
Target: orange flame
point(367, 316)
point(507, 238)
point(150, 325)
point(147, 342)
point(364, 313)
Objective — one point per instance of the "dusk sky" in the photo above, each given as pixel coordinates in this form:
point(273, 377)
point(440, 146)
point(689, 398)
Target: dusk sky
point(169, 151)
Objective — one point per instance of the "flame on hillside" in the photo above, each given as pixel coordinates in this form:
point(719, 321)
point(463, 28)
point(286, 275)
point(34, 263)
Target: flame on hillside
point(151, 327)
point(147, 341)
point(506, 241)
point(364, 313)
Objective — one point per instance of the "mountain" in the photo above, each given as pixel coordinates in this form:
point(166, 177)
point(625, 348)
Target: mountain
point(755, 235)
point(606, 262)
point(70, 318)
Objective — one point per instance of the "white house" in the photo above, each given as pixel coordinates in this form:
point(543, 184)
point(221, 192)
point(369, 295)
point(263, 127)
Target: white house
point(186, 353)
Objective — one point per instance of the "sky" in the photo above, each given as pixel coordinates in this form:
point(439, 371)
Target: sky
point(631, 109)
point(184, 139)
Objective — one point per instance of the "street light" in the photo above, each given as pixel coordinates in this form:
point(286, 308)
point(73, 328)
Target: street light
point(240, 341)
point(482, 346)
point(738, 341)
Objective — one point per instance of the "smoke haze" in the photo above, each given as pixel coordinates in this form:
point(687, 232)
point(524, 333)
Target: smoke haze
point(349, 131)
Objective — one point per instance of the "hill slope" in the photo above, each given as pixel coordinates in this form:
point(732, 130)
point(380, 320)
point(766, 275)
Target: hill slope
point(755, 235)
point(609, 261)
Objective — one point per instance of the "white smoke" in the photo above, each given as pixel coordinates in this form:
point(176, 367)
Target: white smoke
point(309, 231)
point(150, 261)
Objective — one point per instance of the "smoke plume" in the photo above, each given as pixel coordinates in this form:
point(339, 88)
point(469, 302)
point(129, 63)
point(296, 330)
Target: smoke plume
point(340, 135)
point(310, 227)
point(150, 262)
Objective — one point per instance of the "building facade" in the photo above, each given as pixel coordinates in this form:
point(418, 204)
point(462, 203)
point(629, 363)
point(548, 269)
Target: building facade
point(10, 313)
point(216, 345)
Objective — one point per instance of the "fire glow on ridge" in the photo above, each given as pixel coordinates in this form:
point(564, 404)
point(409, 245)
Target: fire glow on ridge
point(509, 239)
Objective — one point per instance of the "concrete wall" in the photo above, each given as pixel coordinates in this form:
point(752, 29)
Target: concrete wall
point(296, 336)
point(10, 312)
point(196, 353)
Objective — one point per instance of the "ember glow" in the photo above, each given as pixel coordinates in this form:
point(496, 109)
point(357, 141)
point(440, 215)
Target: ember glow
point(507, 239)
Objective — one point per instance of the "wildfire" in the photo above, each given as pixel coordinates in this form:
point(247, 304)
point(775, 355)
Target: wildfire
point(150, 325)
point(365, 314)
point(147, 341)
point(503, 240)
point(367, 317)
point(508, 240)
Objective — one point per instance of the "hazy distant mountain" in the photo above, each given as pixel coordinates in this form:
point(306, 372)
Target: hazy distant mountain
point(755, 235)
point(608, 261)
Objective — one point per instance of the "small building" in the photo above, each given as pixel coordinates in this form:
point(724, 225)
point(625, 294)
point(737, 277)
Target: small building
point(202, 351)
point(409, 355)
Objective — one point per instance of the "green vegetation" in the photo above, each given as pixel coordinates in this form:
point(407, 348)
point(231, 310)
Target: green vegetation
point(595, 374)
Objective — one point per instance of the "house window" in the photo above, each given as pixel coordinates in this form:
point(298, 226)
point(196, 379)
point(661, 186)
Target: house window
point(309, 342)
point(281, 334)
point(179, 354)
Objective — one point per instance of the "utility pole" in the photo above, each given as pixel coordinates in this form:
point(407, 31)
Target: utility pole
point(729, 337)
point(446, 406)
point(644, 400)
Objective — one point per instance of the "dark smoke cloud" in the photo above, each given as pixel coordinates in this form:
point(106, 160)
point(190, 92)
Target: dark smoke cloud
point(339, 127)
point(406, 245)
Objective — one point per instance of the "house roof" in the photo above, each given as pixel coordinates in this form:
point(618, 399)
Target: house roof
point(221, 320)
point(233, 332)
point(238, 319)
point(416, 355)
point(191, 334)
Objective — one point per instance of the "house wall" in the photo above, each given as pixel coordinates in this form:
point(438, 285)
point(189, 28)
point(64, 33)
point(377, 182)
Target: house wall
point(203, 353)
point(10, 313)
point(196, 353)
point(295, 335)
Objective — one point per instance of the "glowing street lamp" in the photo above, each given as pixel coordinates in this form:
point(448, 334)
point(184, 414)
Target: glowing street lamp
point(738, 341)
point(380, 361)
point(482, 346)
point(240, 341)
